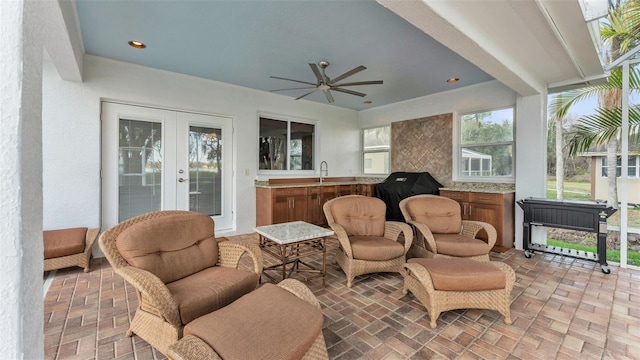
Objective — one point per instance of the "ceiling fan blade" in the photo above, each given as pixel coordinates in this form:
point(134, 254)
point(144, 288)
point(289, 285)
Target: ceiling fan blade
point(298, 81)
point(300, 97)
point(317, 73)
point(348, 73)
point(373, 82)
point(349, 92)
point(327, 93)
point(296, 88)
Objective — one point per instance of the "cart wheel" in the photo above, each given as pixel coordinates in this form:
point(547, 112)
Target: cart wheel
point(528, 254)
point(605, 269)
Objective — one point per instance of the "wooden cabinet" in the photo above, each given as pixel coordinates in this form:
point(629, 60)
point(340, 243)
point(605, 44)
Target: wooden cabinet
point(365, 189)
point(276, 205)
point(496, 209)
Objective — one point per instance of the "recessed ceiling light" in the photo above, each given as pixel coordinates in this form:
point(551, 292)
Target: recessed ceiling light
point(137, 44)
point(452, 80)
point(367, 102)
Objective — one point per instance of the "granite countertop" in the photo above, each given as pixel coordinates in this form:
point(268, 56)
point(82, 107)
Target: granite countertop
point(496, 188)
point(265, 184)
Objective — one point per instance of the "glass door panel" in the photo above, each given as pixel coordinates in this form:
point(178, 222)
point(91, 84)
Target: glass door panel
point(205, 170)
point(139, 168)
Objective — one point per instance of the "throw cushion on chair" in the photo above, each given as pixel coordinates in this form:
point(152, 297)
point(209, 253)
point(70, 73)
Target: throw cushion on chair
point(268, 323)
point(462, 274)
point(360, 216)
point(64, 242)
point(460, 246)
point(209, 290)
point(442, 216)
point(375, 248)
point(183, 245)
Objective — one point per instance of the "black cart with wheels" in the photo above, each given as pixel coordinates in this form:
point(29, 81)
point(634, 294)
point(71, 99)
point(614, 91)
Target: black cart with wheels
point(588, 216)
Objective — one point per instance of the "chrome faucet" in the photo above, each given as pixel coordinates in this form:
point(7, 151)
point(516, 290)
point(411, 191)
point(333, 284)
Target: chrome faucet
point(325, 169)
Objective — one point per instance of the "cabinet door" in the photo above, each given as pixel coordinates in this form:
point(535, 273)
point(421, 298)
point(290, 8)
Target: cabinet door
point(365, 189)
point(486, 213)
point(314, 209)
point(345, 190)
point(298, 208)
point(280, 209)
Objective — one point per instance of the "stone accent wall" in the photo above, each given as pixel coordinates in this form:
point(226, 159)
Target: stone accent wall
point(424, 145)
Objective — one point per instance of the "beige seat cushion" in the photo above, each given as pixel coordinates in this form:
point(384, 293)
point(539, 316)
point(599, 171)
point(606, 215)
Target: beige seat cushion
point(210, 290)
point(376, 248)
point(460, 246)
point(453, 274)
point(268, 323)
point(170, 247)
point(360, 215)
point(440, 214)
point(64, 242)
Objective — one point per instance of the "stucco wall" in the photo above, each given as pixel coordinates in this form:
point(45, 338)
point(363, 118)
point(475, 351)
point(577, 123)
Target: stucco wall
point(71, 132)
point(21, 310)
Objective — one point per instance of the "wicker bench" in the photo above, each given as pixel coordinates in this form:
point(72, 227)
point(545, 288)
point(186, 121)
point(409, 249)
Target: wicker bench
point(281, 321)
point(444, 284)
point(65, 248)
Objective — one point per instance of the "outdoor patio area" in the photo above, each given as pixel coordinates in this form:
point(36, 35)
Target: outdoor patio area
point(561, 308)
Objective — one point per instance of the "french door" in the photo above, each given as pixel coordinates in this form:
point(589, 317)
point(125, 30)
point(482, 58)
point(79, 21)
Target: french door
point(155, 159)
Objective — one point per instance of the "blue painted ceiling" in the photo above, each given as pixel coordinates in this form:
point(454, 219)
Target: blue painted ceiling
point(246, 42)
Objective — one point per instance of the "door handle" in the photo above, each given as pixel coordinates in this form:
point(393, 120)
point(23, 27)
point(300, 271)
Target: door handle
point(182, 180)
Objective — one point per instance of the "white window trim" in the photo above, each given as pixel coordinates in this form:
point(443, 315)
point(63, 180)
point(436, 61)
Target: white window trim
point(637, 166)
point(457, 150)
point(381, 150)
point(316, 143)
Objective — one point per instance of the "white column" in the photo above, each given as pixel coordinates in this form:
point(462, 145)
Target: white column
point(531, 156)
point(21, 260)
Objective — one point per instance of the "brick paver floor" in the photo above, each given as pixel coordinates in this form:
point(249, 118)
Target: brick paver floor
point(561, 308)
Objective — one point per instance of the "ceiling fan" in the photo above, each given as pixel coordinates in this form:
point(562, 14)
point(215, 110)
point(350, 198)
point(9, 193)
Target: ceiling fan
point(325, 84)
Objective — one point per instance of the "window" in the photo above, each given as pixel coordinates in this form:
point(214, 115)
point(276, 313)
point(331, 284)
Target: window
point(375, 150)
point(486, 145)
point(285, 145)
point(633, 167)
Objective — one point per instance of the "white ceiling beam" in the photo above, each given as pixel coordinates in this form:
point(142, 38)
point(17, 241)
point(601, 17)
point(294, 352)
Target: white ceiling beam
point(63, 39)
point(441, 21)
point(526, 45)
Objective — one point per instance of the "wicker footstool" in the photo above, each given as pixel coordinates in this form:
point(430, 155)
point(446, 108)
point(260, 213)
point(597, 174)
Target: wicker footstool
point(443, 284)
point(281, 321)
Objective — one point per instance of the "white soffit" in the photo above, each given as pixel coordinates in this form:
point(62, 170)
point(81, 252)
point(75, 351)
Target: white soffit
point(526, 45)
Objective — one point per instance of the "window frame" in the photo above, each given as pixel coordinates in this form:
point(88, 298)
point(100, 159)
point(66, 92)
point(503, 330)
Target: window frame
point(636, 166)
point(458, 146)
point(291, 119)
point(378, 150)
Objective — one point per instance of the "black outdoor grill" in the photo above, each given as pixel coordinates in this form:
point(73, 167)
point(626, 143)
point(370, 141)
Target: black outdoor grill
point(588, 216)
point(401, 185)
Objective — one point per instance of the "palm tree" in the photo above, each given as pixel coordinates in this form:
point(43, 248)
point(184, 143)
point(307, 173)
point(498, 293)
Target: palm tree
point(620, 32)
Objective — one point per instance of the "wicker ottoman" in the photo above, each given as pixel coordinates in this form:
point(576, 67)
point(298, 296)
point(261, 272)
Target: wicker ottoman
point(443, 284)
point(272, 322)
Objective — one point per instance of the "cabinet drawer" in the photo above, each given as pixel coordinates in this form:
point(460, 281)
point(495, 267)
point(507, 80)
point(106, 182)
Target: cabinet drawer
point(455, 195)
point(485, 198)
point(290, 191)
point(313, 190)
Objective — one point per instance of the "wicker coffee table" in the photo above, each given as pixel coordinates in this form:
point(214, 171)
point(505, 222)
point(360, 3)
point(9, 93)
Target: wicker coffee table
point(291, 243)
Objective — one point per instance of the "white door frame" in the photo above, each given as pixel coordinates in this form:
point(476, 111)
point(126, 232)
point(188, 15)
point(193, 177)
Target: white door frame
point(112, 112)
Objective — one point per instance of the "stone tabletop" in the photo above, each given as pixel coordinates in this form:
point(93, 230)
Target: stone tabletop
point(292, 232)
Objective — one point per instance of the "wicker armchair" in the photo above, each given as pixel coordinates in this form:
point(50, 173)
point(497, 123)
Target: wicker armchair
point(368, 243)
point(441, 232)
point(179, 270)
point(65, 248)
